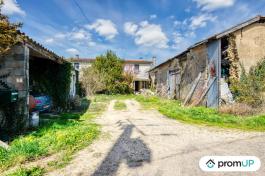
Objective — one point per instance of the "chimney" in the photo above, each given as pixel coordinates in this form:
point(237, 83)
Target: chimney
point(77, 56)
point(154, 61)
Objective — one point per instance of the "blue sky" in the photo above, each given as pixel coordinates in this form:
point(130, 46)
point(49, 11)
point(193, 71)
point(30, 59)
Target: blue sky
point(132, 28)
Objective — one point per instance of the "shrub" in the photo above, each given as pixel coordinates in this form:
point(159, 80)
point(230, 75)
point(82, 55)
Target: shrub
point(75, 102)
point(92, 81)
point(120, 88)
point(240, 109)
point(250, 87)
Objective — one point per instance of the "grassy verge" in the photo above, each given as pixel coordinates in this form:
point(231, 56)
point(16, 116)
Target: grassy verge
point(34, 171)
point(202, 115)
point(65, 133)
point(120, 105)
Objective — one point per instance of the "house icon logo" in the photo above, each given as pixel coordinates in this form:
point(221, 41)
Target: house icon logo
point(210, 163)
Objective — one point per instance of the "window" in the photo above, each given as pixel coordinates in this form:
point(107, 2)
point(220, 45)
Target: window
point(76, 65)
point(136, 68)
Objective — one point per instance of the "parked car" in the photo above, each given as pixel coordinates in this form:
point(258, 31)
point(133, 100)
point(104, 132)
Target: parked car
point(43, 103)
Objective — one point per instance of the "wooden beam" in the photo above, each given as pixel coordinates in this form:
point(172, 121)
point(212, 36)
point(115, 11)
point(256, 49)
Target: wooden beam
point(187, 99)
point(204, 93)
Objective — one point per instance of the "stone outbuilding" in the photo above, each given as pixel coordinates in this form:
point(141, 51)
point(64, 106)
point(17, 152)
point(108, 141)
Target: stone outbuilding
point(19, 69)
point(200, 75)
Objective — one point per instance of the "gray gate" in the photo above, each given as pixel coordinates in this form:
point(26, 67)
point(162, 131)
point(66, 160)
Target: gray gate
point(173, 82)
point(214, 56)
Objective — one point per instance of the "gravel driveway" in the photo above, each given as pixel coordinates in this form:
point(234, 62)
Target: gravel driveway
point(145, 143)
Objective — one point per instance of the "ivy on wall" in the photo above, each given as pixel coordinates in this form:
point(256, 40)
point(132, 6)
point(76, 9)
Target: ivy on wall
point(233, 58)
point(50, 78)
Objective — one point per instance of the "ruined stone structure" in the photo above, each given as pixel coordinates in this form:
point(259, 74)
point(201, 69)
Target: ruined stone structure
point(196, 75)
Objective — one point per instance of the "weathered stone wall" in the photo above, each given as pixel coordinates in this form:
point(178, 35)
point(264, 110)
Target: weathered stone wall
point(16, 63)
point(196, 62)
point(250, 44)
point(159, 79)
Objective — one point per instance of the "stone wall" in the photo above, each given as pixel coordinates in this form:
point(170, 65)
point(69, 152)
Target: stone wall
point(196, 62)
point(159, 79)
point(250, 44)
point(15, 116)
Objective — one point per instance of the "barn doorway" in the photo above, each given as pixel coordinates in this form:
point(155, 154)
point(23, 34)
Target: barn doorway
point(136, 86)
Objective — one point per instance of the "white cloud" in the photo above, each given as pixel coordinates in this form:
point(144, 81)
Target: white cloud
point(130, 28)
point(150, 35)
point(177, 23)
point(72, 51)
point(60, 36)
point(172, 17)
point(209, 5)
point(177, 37)
point(105, 28)
point(190, 34)
point(91, 43)
point(11, 7)
point(181, 41)
point(49, 40)
point(79, 35)
point(201, 20)
point(153, 16)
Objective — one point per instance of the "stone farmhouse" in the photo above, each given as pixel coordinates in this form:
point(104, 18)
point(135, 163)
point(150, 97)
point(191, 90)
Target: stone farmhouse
point(139, 68)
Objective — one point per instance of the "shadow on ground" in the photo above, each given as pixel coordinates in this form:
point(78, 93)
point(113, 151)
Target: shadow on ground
point(133, 151)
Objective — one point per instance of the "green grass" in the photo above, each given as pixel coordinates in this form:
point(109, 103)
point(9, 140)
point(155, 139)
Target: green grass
point(202, 115)
point(35, 171)
point(66, 133)
point(120, 105)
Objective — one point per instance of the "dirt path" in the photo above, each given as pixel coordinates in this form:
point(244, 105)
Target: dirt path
point(145, 143)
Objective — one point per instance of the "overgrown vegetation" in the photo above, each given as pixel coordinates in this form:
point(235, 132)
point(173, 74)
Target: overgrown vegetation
point(250, 87)
point(65, 133)
point(8, 32)
point(106, 76)
point(92, 81)
point(120, 105)
point(34, 171)
point(202, 115)
point(233, 58)
point(52, 79)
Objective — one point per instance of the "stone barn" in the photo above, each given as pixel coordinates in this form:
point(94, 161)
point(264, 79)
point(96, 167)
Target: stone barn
point(21, 70)
point(199, 75)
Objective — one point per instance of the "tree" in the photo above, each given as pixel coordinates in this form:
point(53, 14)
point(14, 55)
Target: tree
point(128, 77)
point(91, 81)
point(8, 32)
point(110, 68)
point(106, 75)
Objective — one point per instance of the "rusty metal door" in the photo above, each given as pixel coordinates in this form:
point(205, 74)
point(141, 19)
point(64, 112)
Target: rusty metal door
point(214, 56)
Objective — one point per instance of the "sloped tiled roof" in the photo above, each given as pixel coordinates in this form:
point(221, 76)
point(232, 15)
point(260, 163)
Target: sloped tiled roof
point(217, 36)
point(132, 61)
point(40, 48)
